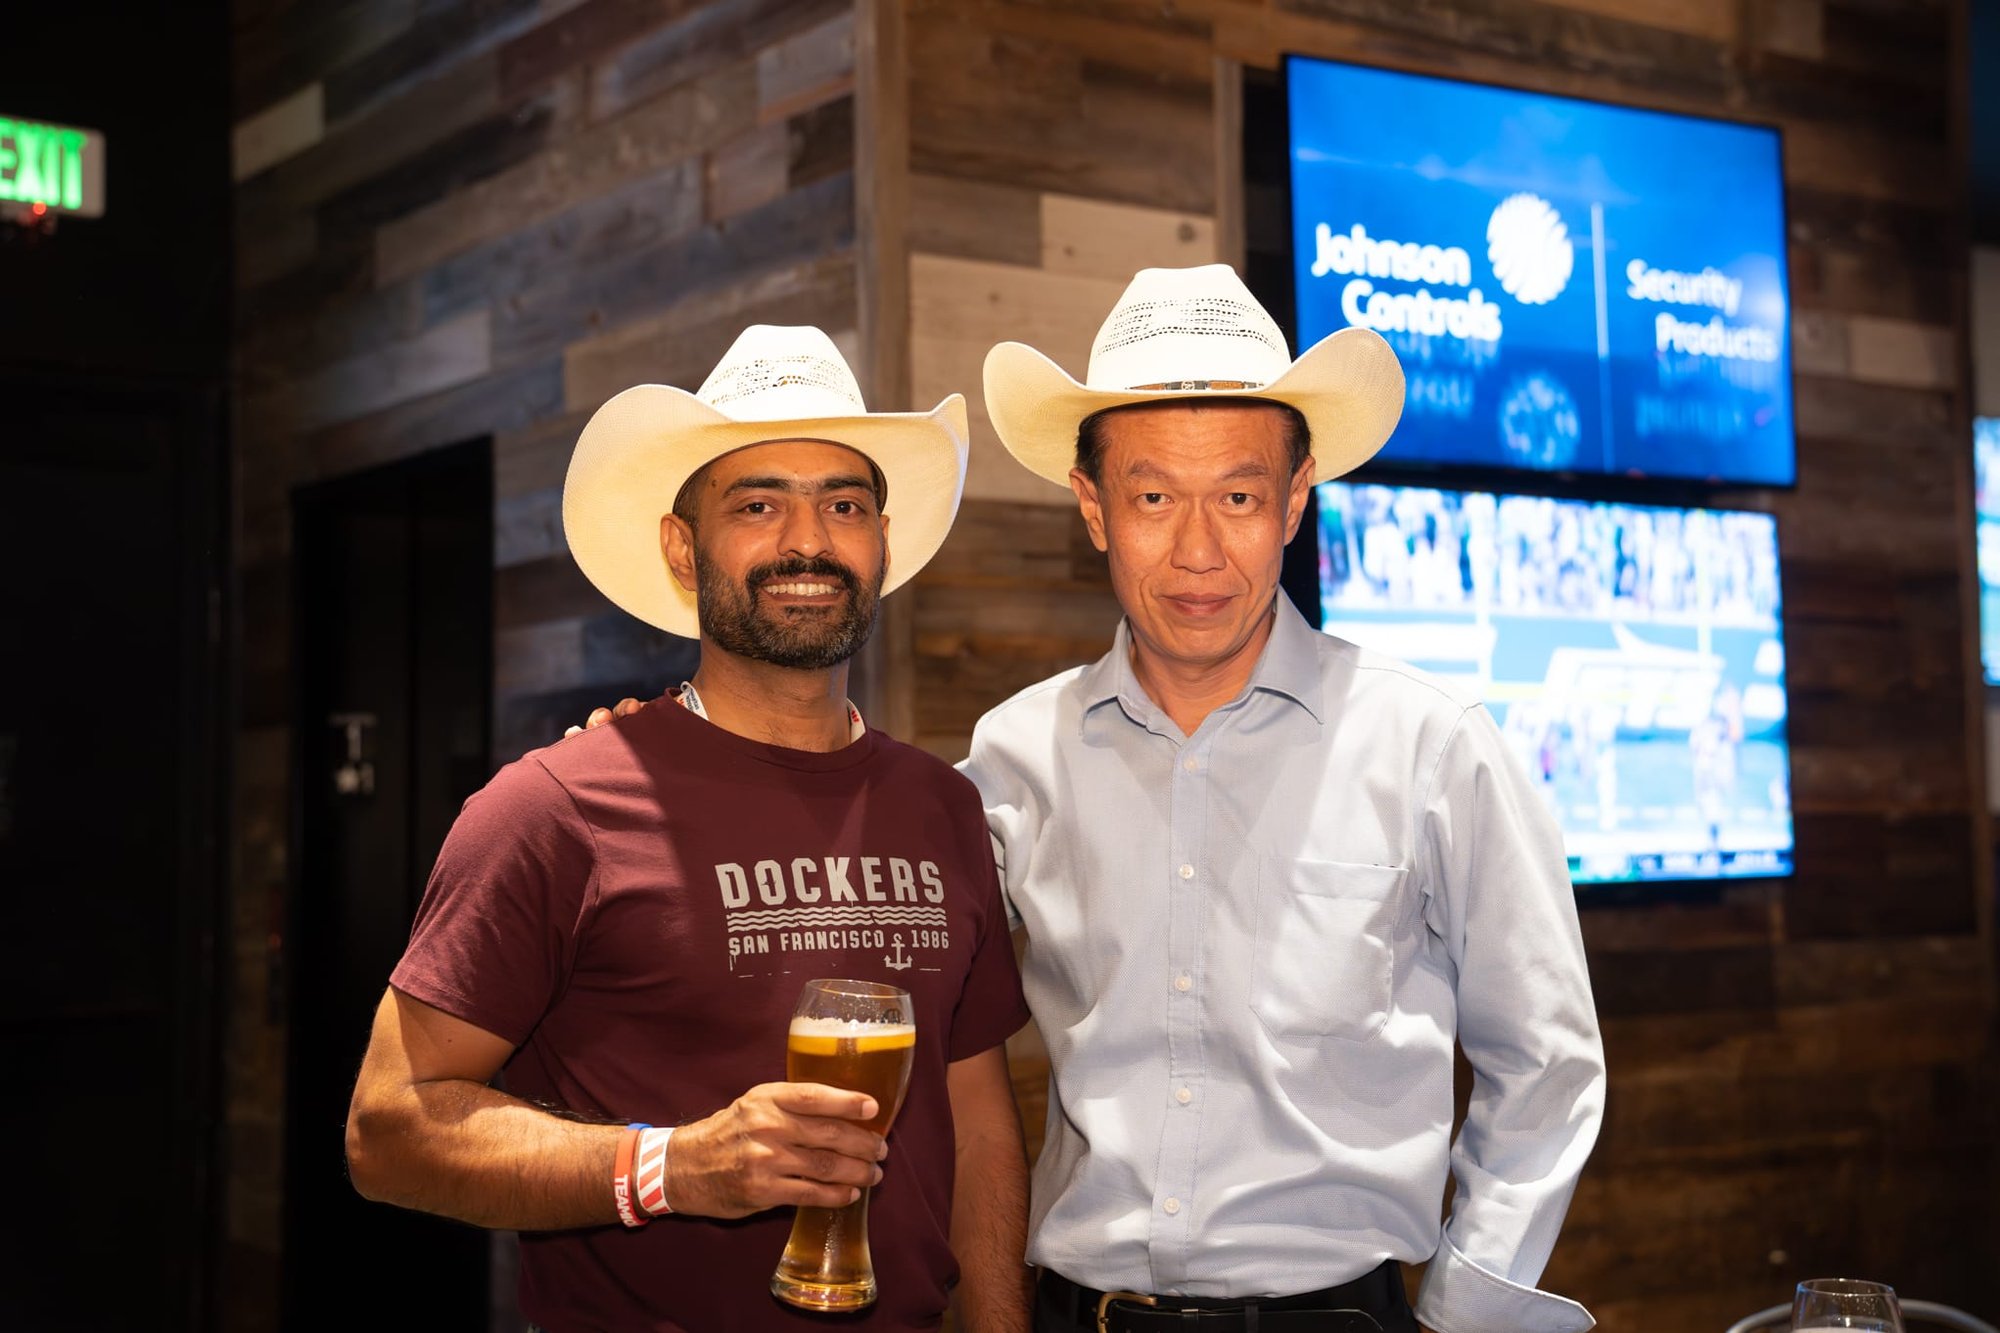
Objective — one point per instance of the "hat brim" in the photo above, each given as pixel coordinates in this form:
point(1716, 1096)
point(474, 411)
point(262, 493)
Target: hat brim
point(640, 448)
point(1348, 386)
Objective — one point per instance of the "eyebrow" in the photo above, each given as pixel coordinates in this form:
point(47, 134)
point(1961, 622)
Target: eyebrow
point(820, 487)
point(1146, 469)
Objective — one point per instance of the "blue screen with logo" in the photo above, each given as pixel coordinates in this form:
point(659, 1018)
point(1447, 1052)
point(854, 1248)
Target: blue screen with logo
point(1571, 287)
point(1632, 655)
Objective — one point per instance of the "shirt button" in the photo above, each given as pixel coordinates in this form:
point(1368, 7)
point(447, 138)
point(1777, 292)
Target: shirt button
point(1190, 763)
point(1171, 1206)
point(1183, 981)
point(1187, 872)
point(1184, 1096)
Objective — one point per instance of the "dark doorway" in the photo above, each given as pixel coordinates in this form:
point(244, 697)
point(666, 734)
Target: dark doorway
point(110, 733)
point(394, 647)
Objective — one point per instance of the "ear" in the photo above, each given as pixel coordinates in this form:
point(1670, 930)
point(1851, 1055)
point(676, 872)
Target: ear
point(677, 541)
point(885, 546)
point(1092, 507)
point(1297, 497)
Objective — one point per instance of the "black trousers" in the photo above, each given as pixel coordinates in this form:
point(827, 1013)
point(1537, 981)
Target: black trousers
point(1062, 1306)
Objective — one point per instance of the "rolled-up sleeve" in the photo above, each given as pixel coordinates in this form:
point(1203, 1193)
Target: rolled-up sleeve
point(1498, 894)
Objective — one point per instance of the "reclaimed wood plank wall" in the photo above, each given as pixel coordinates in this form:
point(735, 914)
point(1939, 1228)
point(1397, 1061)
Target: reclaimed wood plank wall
point(481, 219)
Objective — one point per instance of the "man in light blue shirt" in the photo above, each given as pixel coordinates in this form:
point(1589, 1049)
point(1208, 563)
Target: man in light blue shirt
point(1267, 879)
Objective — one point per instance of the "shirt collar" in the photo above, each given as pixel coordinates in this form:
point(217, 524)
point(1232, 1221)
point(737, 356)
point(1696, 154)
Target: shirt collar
point(1288, 667)
point(690, 699)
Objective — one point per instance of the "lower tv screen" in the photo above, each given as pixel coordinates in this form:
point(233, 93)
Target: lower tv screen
point(1632, 656)
point(1986, 486)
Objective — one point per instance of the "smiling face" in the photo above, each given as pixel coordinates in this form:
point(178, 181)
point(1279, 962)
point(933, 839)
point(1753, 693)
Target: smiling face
point(786, 552)
point(1193, 502)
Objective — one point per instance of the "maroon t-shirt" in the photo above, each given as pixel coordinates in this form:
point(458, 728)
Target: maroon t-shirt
point(636, 910)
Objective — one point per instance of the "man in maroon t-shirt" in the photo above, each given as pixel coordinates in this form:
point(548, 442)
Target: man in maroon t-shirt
point(623, 922)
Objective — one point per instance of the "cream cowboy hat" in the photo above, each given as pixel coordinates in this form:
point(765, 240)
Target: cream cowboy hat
point(1193, 333)
point(774, 383)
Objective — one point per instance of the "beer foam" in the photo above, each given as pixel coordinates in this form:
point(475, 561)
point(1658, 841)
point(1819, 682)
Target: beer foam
point(866, 1036)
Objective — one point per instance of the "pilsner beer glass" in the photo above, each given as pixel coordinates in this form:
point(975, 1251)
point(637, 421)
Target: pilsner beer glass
point(846, 1034)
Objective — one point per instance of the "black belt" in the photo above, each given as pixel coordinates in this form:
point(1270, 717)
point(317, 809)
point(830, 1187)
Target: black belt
point(1351, 1307)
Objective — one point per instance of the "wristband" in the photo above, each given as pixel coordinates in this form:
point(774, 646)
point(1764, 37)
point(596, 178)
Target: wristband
point(649, 1171)
point(621, 1177)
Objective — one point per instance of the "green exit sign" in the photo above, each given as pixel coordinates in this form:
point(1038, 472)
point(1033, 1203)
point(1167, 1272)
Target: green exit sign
point(50, 168)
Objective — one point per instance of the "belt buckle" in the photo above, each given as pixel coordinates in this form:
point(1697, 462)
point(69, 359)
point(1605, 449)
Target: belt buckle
point(1104, 1305)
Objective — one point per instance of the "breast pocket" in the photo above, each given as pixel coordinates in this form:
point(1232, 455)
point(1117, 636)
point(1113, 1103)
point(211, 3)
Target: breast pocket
point(1325, 947)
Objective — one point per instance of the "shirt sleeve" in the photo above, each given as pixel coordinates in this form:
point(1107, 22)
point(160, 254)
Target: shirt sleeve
point(991, 1008)
point(1006, 817)
point(496, 932)
point(1498, 893)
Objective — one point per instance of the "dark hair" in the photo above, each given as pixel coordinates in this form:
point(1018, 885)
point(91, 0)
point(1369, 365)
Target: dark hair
point(687, 505)
point(1090, 431)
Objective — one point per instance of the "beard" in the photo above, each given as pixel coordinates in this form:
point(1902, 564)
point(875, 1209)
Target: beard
point(803, 638)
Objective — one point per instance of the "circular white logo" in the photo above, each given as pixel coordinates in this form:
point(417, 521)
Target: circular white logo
point(1530, 249)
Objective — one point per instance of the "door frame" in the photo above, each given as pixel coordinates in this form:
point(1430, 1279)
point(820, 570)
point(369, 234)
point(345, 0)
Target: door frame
point(308, 499)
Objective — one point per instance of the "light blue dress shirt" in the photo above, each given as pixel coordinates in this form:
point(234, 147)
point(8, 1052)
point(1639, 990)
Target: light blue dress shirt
point(1249, 951)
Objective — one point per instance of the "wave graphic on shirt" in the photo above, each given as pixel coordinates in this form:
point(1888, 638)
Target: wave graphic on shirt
point(838, 916)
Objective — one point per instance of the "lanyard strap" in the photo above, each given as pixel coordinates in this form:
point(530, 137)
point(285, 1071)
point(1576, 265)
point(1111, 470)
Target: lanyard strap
point(690, 699)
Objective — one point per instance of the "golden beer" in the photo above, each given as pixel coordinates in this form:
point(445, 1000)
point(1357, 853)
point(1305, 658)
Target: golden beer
point(874, 1058)
point(826, 1264)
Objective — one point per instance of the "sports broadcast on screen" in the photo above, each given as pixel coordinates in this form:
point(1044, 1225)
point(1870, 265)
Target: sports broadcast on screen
point(1632, 656)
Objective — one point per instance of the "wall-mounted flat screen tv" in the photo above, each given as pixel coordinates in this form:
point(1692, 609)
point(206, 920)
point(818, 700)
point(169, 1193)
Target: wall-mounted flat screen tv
point(1632, 655)
point(1572, 287)
point(1986, 488)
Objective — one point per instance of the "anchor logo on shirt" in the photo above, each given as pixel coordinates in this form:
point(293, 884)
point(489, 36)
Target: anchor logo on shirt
point(898, 962)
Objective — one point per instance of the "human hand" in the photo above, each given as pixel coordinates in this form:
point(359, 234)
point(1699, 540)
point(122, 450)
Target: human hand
point(779, 1143)
point(599, 716)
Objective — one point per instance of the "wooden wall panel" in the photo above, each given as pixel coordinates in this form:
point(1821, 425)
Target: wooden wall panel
point(990, 263)
point(1804, 1073)
point(961, 307)
point(482, 218)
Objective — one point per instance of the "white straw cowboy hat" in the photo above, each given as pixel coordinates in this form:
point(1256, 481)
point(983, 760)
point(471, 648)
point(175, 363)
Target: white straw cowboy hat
point(774, 383)
point(1194, 333)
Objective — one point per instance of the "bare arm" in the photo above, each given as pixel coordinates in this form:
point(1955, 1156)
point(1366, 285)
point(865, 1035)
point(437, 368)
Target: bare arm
point(425, 1131)
point(989, 1209)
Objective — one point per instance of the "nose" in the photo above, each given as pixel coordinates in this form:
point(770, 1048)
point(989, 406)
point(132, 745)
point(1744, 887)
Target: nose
point(804, 532)
point(1196, 549)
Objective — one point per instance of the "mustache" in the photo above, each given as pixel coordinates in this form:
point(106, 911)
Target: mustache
point(824, 567)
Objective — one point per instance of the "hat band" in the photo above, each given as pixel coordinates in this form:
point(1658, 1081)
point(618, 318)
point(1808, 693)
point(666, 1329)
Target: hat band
point(1200, 384)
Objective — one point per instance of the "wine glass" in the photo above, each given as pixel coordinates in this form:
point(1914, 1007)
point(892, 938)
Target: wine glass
point(859, 1035)
point(1824, 1304)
